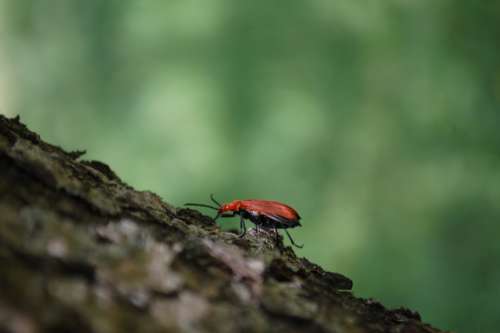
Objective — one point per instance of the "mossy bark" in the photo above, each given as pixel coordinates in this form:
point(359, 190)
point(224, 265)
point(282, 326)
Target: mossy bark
point(80, 251)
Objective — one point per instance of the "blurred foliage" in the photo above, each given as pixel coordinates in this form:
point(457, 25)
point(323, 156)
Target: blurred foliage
point(378, 121)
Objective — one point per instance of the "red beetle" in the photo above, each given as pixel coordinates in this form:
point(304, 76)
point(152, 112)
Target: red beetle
point(263, 213)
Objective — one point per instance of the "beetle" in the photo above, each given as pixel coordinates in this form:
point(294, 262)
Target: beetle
point(263, 213)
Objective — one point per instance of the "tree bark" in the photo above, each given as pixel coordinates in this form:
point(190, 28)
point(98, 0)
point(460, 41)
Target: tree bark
point(81, 251)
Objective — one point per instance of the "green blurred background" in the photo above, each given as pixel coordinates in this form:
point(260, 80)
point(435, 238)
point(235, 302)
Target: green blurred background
point(378, 120)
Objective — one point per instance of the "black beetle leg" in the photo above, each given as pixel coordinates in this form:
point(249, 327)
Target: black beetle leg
point(291, 240)
point(224, 215)
point(242, 227)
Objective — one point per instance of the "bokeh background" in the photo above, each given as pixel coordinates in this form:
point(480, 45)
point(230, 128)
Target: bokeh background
point(378, 120)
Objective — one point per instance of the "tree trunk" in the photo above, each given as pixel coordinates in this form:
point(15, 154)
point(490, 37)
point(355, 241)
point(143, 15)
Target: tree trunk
point(80, 251)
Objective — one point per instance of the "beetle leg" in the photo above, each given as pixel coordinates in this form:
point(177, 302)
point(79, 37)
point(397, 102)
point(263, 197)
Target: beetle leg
point(233, 214)
point(291, 240)
point(277, 234)
point(242, 227)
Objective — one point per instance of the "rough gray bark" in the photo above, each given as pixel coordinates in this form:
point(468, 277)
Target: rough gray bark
point(80, 251)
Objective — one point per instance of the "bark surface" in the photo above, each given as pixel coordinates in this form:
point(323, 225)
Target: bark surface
point(81, 251)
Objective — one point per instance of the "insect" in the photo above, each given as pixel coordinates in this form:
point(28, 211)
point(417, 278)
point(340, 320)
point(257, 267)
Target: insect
point(263, 213)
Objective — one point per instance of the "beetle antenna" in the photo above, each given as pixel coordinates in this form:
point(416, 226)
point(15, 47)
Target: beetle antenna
point(215, 201)
point(200, 205)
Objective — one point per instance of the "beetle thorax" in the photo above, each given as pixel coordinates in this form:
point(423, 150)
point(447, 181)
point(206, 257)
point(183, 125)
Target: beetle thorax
point(233, 206)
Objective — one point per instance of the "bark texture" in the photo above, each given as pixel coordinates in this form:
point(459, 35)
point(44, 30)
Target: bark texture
point(81, 251)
